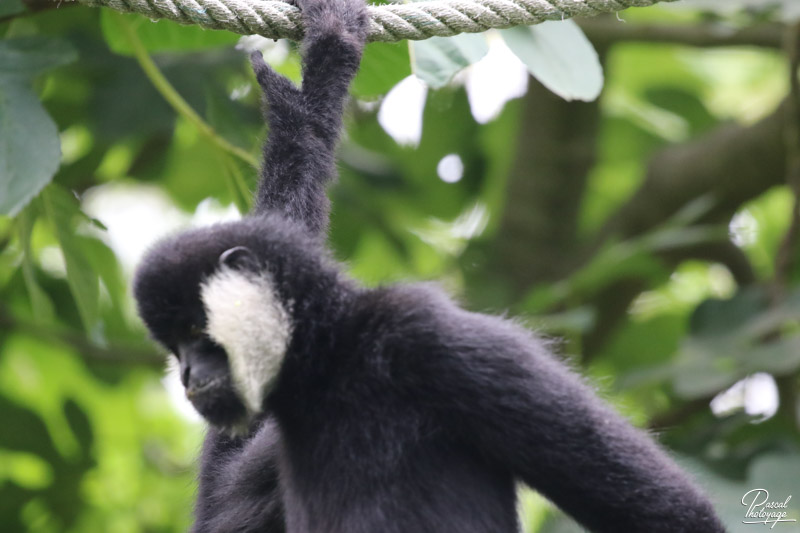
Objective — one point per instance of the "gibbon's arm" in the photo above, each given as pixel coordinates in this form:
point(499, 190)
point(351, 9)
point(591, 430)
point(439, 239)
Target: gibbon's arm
point(498, 388)
point(239, 484)
point(305, 122)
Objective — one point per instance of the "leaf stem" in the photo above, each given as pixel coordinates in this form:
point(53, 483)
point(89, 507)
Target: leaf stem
point(165, 88)
point(236, 184)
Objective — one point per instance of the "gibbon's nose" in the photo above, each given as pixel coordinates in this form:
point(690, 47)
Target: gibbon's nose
point(184, 361)
point(186, 371)
point(201, 362)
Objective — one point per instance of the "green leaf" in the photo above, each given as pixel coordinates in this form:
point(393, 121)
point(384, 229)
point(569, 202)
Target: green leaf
point(560, 56)
point(382, 67)
point(756, 10)
point(193, 170)
point(715, 317)
point(30, 150)
point(733, 338)
point(237, 185)
point(11, 7)
point(40, 301)
point(628, 259)
point(161, 35)
point(103, 261)
point(27, 56)
point(114, 310)
point(63, 214)
point(438, 59)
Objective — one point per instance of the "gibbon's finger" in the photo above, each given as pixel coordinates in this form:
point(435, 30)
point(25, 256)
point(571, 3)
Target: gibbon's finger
point(277, 88)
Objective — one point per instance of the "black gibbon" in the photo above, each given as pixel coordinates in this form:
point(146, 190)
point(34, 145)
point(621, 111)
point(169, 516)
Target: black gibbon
point(335, 408)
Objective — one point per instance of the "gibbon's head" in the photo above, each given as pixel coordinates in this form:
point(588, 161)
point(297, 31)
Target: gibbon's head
point(221, 299)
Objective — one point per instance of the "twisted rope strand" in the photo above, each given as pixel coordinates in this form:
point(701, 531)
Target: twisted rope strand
point(277, 19)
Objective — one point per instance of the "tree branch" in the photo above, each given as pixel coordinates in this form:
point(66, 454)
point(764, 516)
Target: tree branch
point(733, 164)
point(34, 6)
point(174, 99)
point(118, 354)
point(609, 30)
point(675, 416)
point(787, 253)
point(536, 237)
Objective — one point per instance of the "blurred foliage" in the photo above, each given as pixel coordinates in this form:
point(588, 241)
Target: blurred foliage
point(95, 165)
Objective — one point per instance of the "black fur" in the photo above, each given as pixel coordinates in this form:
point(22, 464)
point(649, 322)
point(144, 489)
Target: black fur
point(239, 486)
point(305, 122)
point(394, 410)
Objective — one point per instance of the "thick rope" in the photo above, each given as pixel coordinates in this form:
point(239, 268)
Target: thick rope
point(276, 19)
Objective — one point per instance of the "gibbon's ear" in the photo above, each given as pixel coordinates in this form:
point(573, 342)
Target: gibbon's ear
point(239, 258)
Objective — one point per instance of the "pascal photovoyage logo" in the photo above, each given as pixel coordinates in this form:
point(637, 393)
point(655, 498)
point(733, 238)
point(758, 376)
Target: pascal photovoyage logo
point(762, 510)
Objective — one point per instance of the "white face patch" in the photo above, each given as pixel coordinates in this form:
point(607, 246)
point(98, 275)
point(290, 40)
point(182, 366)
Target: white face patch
point(246, 317)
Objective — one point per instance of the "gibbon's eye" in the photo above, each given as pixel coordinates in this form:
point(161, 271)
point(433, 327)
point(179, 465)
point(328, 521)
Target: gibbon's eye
point(196, 331)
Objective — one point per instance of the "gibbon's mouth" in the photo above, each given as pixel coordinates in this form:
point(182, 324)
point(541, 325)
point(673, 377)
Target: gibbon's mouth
point(203, 388)
point(217, 402)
